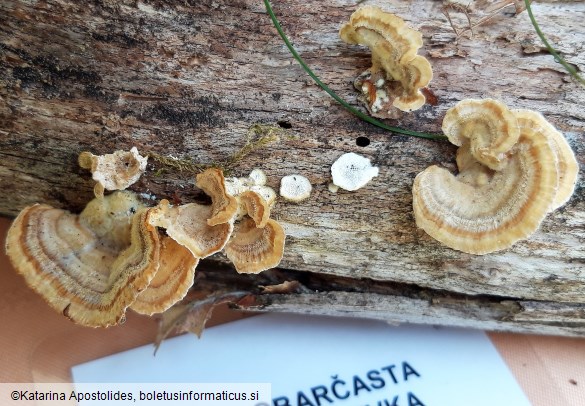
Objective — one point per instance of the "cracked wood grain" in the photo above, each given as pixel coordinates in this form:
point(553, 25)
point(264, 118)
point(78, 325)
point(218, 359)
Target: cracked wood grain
point(188, 78)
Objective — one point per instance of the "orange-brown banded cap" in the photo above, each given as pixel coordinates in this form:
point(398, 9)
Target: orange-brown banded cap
point(567, 165)
point(256, 207)
point(253, 249)
point(482, 210)
point(488, 125)
point(394, 48)
point(172, 281)
point(224, 205)
point(89, 278)
point(187, 225)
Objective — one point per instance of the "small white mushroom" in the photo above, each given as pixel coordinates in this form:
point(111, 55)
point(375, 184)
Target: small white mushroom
point(258, 177)
point(295, 188)
point(352, 171)
point(333, 188)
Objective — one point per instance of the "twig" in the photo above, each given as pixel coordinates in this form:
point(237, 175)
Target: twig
point(465, 10)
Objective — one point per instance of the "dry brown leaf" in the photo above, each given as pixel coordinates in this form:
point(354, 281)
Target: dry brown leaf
point(192, 316)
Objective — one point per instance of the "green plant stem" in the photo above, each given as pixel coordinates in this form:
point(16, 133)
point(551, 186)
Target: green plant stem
point(334, 95)
point(556, 55)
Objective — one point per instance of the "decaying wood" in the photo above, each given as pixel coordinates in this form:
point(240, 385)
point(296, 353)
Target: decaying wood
point(189, 78)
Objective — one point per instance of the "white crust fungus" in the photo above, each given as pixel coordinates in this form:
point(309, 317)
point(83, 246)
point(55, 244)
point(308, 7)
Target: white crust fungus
point(352, 171)
point(295, 188)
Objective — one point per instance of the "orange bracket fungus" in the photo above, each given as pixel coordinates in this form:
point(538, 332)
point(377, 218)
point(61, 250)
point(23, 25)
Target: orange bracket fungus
point(397, 73)
point(254, 249)
point(352, 172)
point(188, 225)
point(172, 281)
point(514, 168)
point(224, 205)
point(114, 171)
point(257, 243)
point(254, 205)
point(91, 266)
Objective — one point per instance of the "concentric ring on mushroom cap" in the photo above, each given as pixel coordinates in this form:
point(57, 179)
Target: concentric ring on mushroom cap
point(255, 207)
point(489, 210)
point(172, 281)
point(90, 279)
point(489, 125)
point(253, 249)
point(567, 165)
point(223, 204)
point(188, 225)
point(394, 48)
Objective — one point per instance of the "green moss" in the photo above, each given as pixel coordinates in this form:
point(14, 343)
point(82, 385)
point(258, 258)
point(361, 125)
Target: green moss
point(258, 136)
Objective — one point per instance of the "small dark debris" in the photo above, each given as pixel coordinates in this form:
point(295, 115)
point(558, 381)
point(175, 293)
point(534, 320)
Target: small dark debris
point(573, 382)
point(430, 96)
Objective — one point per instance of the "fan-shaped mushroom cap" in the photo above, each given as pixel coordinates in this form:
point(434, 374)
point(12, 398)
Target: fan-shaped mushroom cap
point(567, 165)
point(224, 205)
point(267, 193)
point(254, 206)
point(171, 282)
point(295, 188)
point(352, 171)
point(482, 210)
point(188, 225)
point(89, 274)
point(253, 249)
point(492, 129)
point(114, 171)
point(394, 49)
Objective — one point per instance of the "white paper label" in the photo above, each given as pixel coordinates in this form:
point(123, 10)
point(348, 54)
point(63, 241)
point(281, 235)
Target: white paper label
point(318, 361)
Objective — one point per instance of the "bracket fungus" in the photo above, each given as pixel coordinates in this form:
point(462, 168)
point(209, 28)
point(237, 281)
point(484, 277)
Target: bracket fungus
point(172, 281)
point(397, 73)
point(188, 225)
point(509, 178)
point(91, 267)
point(352, 171)
point(87, 266)
point(224, 205)
point(257, 243)
point(295, 188)
point(114, 171)
point(567, 165)
point(489, 127)
point(255, 207)
point(254, 249)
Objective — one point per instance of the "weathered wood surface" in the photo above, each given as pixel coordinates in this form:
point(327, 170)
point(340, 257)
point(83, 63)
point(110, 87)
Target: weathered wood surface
point(188, 78)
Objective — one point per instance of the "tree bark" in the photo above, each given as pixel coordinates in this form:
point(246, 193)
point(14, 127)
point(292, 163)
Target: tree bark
point(189, 78)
